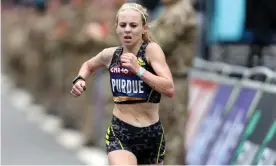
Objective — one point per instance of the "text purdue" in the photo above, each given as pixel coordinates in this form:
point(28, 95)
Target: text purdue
point(127, 86)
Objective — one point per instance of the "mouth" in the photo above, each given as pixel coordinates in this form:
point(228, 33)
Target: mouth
point(127, 37)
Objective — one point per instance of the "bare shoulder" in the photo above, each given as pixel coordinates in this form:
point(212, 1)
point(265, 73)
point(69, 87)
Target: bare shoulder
point(154, 49)
point(156, 58)
point(107, 54)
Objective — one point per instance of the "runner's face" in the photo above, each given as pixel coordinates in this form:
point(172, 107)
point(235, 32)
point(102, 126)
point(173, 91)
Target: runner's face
point(130, 27)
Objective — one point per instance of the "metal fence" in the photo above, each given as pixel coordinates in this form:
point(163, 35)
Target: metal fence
point(232, 119)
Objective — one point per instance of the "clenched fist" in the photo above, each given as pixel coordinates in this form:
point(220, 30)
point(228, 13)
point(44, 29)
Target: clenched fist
point(129, 61)
point(78, 88)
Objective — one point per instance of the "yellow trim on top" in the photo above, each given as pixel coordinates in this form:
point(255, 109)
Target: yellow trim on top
point(150, 95)
point(141, 62)
point(126, 98)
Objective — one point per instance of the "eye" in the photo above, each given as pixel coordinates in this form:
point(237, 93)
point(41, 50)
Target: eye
point(122, 25)
point(133, 25)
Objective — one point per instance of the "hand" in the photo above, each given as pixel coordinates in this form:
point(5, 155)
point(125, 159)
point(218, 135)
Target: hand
point(78, 88)
point(129, 61)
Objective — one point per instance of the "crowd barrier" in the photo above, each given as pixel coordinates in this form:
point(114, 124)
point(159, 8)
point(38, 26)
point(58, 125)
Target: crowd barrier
point(232, 120)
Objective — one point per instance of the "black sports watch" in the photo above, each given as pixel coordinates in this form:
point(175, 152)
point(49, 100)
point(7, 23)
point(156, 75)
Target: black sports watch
point(78, 78)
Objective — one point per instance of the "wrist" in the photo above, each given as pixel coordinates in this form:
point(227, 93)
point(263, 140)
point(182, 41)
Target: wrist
point(79, 77)
point(140, 71)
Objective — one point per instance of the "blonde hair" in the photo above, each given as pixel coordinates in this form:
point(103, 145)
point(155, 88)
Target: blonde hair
point(144, 15)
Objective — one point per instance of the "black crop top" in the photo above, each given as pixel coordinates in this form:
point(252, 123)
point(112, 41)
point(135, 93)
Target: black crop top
point(126, 86)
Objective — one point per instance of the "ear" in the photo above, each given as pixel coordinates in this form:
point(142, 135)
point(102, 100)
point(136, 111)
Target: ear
point(146, 27)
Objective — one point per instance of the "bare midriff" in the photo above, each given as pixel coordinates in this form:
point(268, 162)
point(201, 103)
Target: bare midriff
point(138, 115)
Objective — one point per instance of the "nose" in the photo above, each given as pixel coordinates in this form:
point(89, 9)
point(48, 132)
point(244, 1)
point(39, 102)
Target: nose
point(127, 29)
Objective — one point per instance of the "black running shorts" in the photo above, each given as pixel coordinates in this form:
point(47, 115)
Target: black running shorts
point(146, 143)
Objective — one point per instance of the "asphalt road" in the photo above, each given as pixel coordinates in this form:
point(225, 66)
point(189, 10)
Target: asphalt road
point(24, 143)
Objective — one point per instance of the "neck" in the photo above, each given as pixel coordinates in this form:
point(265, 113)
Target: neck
point(133, 49)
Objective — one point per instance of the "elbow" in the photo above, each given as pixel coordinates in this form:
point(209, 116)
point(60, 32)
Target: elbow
point(87, 66)
point(170, 92)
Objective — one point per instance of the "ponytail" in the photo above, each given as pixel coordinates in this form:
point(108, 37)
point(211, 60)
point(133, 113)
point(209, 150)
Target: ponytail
point(147, 37)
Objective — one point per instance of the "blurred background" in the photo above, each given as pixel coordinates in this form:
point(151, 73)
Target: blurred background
point(221, 52)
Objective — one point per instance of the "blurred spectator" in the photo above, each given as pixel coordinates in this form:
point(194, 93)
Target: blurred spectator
point(261, 20)
point(199, 5)
point(176, 31)
point(154, 7)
